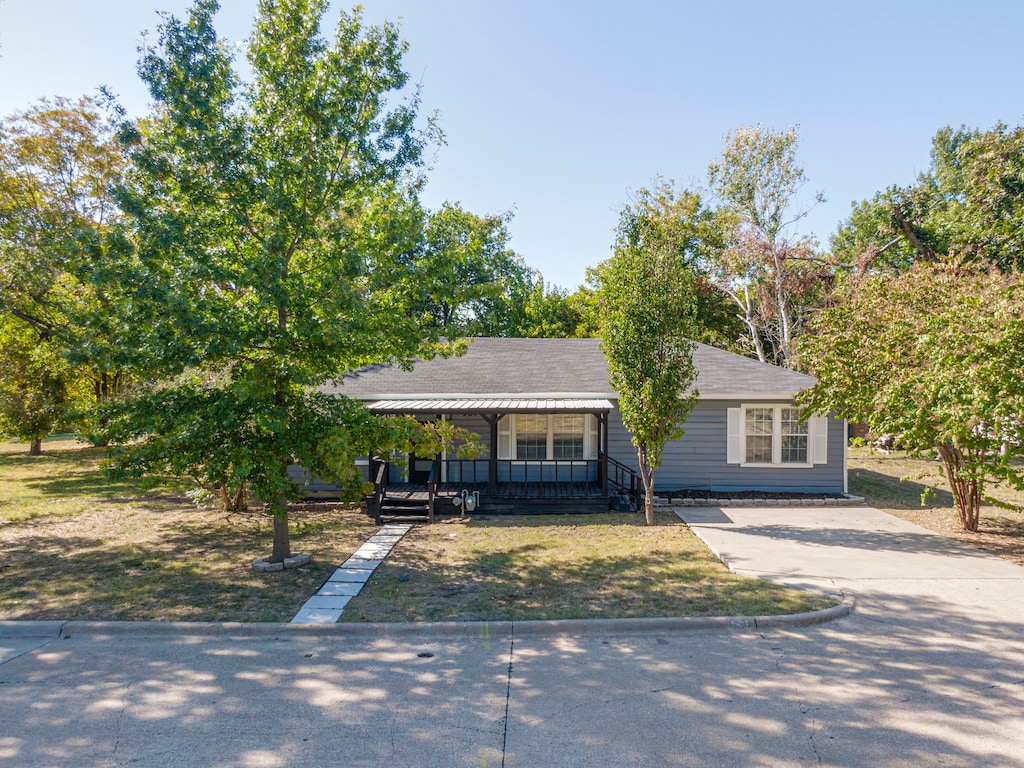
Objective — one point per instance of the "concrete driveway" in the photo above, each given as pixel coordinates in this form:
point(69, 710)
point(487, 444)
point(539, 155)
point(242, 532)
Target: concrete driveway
point(929, 670)
point(896, 571)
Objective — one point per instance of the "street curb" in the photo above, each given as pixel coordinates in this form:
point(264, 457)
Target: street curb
point(14, 628)
point(442, 629)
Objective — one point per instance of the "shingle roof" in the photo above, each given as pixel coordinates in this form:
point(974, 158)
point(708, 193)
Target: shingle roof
point(563, 368)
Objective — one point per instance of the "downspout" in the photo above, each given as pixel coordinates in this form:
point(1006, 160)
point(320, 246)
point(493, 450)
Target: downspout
point(846, 452)
point(602, 423)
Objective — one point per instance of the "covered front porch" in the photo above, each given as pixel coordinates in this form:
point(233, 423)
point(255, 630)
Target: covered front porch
point(541, 456)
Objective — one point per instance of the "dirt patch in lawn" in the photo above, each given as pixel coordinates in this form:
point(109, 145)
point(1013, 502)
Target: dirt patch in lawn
point(915, 489)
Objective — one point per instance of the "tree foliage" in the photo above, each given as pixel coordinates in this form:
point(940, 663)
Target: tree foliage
point(36, 384)
point(473, 283)
point(269, 226)
point(58, 164)
point(648, 315)
point(220, 436)
point(969, 205)
point(932, 356)
point(771, 277)
point(554, 313)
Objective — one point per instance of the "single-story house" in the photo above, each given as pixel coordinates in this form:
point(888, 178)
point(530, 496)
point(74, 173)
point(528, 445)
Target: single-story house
point(554, 438)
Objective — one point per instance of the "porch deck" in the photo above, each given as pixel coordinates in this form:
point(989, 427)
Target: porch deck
point(523, 490)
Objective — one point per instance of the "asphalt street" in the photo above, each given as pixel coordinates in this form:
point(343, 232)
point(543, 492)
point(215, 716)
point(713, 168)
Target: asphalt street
point(928, 670)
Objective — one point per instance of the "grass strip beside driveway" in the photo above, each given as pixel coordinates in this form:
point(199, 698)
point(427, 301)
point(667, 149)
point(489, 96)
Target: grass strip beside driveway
point(521, 568)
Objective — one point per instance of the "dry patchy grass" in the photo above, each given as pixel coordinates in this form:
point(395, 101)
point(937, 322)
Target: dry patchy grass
point(77, 545)
point(559, 567)
point(915, 489)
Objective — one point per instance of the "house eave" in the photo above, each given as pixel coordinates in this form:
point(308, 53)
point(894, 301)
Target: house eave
point(435, 396)
point(483, 396)
point(489, 405)
point(746, 396)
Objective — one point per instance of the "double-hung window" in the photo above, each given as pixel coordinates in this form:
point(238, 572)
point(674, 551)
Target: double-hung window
point(774, 435)
point(568, 434)
point(560, 436)
point(531, 437)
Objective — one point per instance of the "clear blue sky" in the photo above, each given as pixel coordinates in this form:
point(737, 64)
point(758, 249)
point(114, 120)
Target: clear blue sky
point(558, 109)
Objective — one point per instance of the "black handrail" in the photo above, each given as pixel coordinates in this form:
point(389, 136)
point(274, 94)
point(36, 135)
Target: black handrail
point(435, 472)
point(379, 489)
point(624, 480)
point(469, 471)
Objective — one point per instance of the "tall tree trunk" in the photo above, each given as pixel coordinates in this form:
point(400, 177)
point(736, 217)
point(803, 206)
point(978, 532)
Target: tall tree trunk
point(747, 316)
point(647, 475)
point(239, 502)
point(282, 544)
point(35, 448)
point(782, 307)
point(967, 488)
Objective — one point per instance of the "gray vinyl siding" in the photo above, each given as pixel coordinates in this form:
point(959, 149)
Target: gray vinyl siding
point(698, 460)
point(315, 486)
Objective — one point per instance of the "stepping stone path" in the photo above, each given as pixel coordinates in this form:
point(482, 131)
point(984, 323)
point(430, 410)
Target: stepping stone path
point(327, 605)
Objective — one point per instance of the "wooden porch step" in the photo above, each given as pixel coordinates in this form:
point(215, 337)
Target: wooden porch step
point(404, 503)
point(385, 518)
point(403, 509)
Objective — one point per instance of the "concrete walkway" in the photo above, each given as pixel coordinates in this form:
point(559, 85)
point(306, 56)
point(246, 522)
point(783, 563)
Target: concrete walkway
point(327, 605)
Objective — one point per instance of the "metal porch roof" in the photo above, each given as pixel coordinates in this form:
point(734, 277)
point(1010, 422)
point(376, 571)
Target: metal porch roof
point(492, 405)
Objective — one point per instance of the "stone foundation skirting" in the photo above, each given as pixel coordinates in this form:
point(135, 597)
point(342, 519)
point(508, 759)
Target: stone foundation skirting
point(847, 500)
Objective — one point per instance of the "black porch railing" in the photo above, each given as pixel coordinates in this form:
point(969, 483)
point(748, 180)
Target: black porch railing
point(477, 471)
point(379, 477)
point(510, 479)
point(622, 479)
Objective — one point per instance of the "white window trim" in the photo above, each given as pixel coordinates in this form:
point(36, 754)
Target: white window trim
point(507, 437)
point(817, 438)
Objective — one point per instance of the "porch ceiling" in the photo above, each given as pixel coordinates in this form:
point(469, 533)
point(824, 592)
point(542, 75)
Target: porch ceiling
point(492, 405)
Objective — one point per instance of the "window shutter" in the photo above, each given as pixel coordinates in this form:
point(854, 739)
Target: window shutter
point(819, 439)
point(505, 437)
point(734, 445)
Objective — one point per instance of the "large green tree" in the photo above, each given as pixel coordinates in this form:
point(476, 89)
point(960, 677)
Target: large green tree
point(664, 217)
point(930, 355)
point(266, 250)
point(36, 384)
point(554, 313)
point(968, 205)
point(58, 164)
point(472, 282)
point(649, 313)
